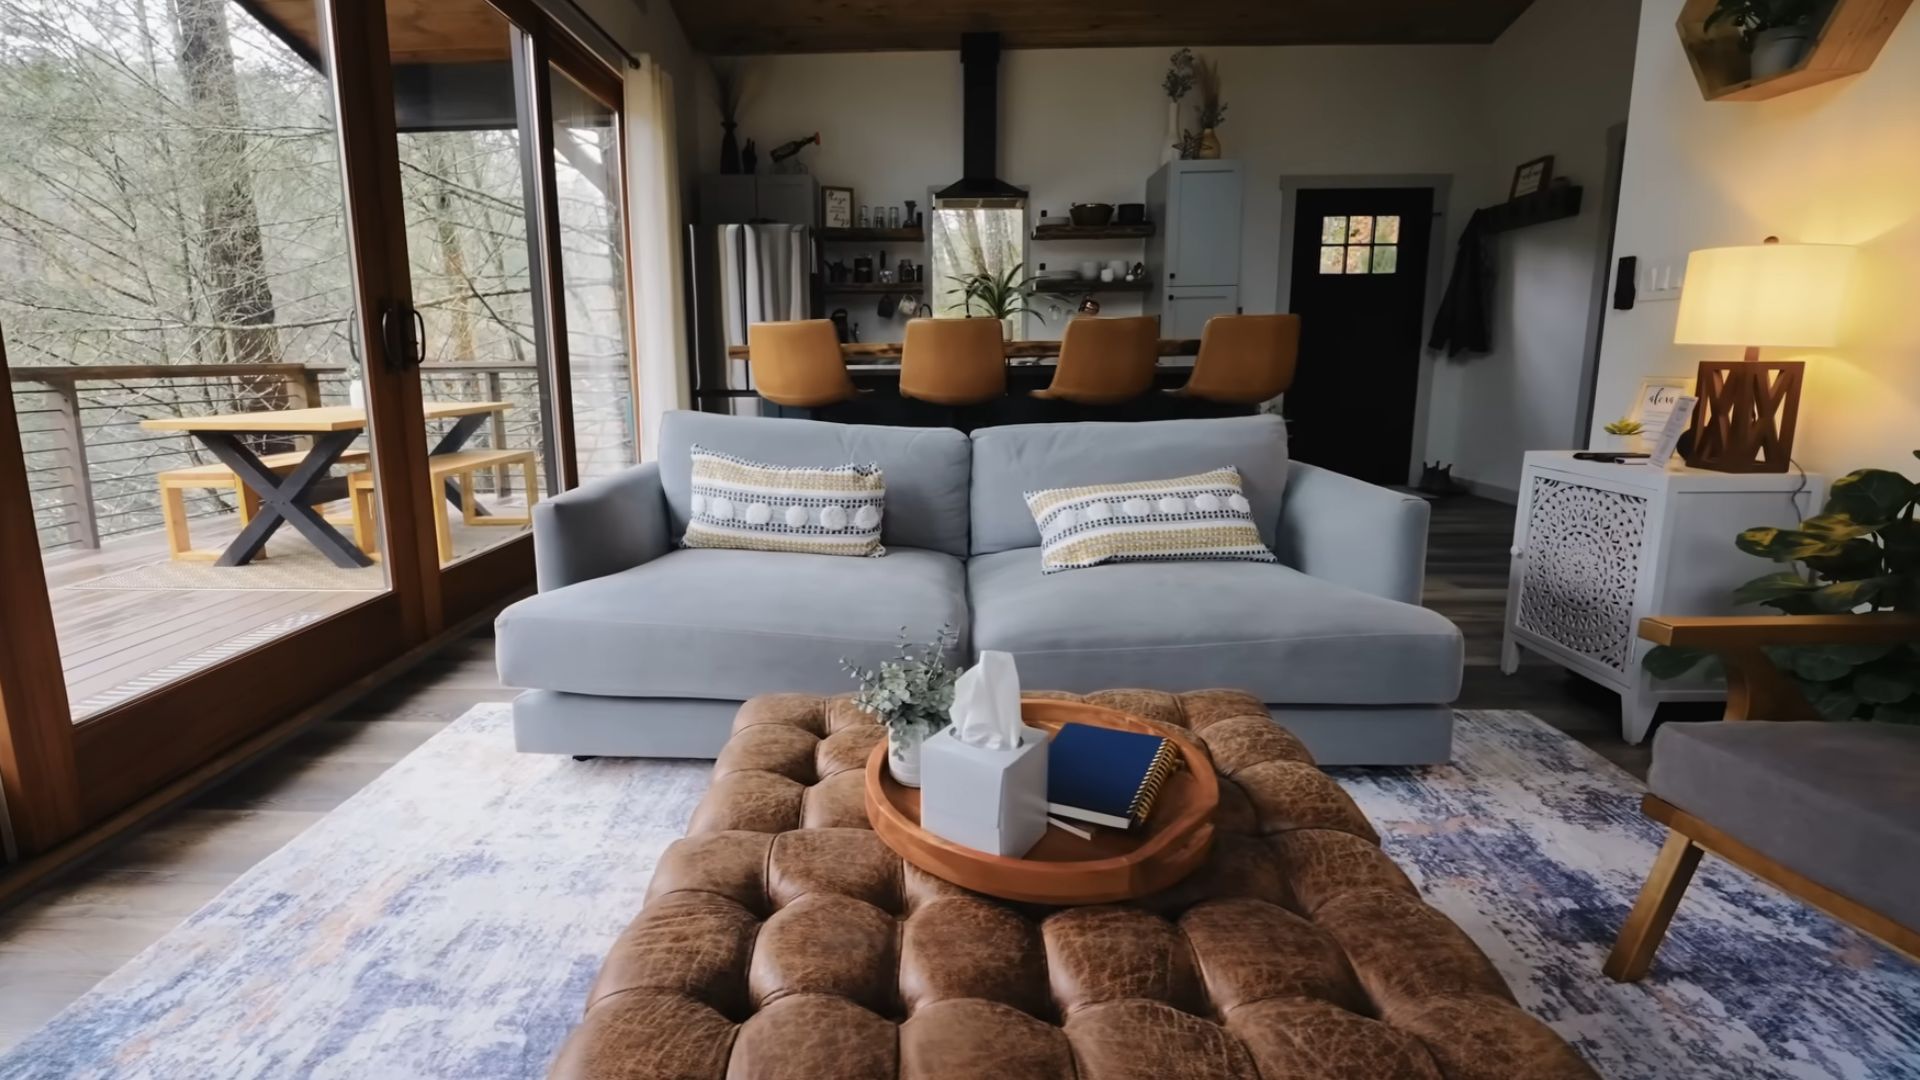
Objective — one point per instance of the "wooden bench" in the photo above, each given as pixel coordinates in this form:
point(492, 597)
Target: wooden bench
point(458, 466)
point(174, 484)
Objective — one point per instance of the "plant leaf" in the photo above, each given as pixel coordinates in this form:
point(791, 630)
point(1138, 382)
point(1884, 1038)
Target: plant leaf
point(1774, 586)
point(1783, 545)
point(1871, 495)
point(1882, 686)
point(1844, 596)
point(1904, 713)
point(1831, 703)
point(1814, 663)
point(1667, 662)
point(1834, 528)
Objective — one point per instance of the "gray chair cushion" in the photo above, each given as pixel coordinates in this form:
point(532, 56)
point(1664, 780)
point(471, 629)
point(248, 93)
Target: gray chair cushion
point(1839, 803)
point(1266, 629)
point(729, 624)
point(927, 468)
point(1010, 461)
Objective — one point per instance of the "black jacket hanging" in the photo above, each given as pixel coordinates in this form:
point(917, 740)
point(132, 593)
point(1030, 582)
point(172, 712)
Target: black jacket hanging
point(1464, 322)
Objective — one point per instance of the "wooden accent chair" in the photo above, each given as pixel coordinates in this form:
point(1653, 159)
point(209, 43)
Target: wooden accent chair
point(175, 483)
point(1827, 812)
point(1244, 359)
point(1105, 361)
point(798, 364)
point(954, 361)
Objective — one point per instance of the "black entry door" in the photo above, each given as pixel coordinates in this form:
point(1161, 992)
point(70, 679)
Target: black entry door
point(1359, 286)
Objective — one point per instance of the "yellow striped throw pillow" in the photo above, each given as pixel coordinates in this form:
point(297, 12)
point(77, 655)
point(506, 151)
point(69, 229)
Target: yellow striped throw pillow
point(754, 507)
point(1190, 518)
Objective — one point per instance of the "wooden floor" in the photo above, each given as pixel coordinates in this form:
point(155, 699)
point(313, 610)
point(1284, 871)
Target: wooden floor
point(56, 944)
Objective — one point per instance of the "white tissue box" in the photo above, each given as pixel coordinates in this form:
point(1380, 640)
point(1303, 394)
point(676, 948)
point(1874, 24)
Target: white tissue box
point(989, 800)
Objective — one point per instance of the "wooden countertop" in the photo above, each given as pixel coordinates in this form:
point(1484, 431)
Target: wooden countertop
point(861, 351)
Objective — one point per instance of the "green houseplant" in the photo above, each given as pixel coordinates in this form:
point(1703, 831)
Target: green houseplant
point(911, 694)
point(1775, 33)
point(1001, 296)
point(1860, 553)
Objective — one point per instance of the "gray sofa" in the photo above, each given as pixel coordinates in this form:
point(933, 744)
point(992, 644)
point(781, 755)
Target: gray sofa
point(634, 647)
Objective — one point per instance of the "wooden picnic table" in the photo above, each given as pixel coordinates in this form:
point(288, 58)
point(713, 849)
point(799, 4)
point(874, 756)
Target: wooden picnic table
point(291, 497)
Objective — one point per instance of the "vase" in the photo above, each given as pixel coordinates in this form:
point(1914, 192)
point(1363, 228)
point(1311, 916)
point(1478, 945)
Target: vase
point(729, 149)
point(1779, 49)
point(1170, 145)
point(1209, 146)
point(903, 757)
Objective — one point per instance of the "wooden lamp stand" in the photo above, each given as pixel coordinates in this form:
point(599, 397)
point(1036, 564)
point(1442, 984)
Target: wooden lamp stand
point(1744, 420)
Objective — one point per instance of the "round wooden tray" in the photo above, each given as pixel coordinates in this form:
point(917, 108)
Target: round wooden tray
point(1062, 868)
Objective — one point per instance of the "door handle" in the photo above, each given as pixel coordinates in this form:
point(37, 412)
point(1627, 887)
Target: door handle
point(402, 336)
point(419, 337)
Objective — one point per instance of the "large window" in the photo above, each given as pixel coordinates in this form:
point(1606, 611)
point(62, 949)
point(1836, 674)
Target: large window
point(975, 237)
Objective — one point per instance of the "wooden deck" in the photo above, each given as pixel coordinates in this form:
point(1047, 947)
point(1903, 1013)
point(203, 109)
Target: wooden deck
point(118, 643)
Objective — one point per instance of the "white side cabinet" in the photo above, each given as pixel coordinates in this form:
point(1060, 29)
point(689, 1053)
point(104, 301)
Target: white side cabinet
point(1598, 547)
point(1193, 256)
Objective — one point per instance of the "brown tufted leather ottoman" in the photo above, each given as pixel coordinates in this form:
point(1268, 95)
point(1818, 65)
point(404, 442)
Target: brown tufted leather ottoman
point(782, 939)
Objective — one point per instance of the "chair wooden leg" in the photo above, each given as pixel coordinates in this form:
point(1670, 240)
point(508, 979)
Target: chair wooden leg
point(363, 535)
point(468, 498)
point(1646, 924)
point(443, 532)
point(173, 512)
point(245, 501)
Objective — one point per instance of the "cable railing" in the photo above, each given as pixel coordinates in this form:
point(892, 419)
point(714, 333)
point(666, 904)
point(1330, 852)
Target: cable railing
point(91, 466)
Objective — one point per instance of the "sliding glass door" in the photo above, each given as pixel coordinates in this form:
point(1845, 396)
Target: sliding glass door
point(284, 289)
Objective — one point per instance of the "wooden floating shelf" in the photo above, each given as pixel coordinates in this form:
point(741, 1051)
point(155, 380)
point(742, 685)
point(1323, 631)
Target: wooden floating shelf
point(913, 235)
point(874, 287)
point(1847, 45)
point(1075, 288)
point(1093, 232)
point(1553, 204)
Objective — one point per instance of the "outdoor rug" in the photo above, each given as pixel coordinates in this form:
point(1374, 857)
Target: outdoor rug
point(447, 920)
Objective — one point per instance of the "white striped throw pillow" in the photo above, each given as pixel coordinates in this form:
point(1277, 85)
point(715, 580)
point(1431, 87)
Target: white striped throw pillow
point(1190, 518)
point(750, 506)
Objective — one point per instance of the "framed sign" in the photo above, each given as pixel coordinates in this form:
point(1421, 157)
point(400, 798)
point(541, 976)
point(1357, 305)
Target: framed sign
point(1532, 177)
point(1656, 400)
point(836, 207)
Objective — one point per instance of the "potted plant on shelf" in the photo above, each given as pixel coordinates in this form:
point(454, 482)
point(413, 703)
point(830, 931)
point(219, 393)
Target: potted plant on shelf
point(1001, 296)
point(912, 695)
point(1626, 433)
point(1861, 554)
point(1775, 33)
point(1213, 108)
point(1178, 80)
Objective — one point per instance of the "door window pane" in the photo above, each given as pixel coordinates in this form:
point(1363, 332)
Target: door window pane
point(1333, 260)
point(173, 248)
point(593, 266)
point(1386, 229)
point(1360, 230)
point(1359, 244)
point(1333, 230)
point(1385, 258)
point(1357, 259)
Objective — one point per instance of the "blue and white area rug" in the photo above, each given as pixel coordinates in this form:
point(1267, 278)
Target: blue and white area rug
point(447, 920)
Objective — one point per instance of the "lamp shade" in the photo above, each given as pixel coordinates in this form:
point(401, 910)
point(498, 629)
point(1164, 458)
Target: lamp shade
point(1787, 295)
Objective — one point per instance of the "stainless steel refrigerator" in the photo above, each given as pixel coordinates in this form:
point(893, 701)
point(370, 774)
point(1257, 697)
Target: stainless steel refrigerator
point(742, 274)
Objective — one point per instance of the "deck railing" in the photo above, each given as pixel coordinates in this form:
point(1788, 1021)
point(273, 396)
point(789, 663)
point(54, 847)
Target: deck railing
point(91, 467)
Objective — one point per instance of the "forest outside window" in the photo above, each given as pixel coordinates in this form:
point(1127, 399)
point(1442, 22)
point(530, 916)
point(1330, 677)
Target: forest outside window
point(1359, 244)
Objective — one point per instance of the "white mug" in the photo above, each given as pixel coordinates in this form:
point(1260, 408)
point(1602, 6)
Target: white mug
point(1089, 269)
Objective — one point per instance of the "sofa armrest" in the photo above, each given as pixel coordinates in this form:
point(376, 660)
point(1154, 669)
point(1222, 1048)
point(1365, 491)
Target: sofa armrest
point(600, 528)
point(1353, 533)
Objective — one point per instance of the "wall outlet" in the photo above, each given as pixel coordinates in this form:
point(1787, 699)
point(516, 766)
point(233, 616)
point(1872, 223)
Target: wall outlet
point(1660, 278)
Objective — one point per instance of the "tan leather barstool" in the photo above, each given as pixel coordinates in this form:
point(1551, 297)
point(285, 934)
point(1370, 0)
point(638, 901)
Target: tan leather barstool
point(954, 361)
point(1105, 361)
point(1244, 359)
point(798, 364)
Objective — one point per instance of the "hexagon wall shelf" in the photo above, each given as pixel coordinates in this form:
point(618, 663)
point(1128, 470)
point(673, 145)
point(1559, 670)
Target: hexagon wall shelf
point(1847, 45)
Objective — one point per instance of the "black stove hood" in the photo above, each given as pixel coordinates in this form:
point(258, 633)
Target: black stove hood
point(980, 119)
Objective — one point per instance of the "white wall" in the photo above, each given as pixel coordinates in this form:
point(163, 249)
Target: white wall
point(1086, 125)
point(1552, 84)
point(1838, 163)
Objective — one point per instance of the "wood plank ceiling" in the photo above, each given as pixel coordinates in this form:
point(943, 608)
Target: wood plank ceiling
point(788, 26)
point(418, 31)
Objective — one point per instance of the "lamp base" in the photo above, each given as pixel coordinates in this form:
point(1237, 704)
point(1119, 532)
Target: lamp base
point(1746, 414)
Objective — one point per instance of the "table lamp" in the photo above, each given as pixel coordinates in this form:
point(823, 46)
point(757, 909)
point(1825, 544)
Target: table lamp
point(1771, 294)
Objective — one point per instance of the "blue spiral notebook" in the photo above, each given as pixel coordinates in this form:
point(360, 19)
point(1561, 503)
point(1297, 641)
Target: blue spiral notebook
point(1107, 776)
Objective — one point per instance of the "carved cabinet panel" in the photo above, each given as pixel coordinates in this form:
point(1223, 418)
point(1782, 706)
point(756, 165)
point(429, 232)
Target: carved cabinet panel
point(1580, 565)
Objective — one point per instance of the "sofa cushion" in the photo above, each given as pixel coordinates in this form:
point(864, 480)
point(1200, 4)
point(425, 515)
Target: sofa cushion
point(1198, 518)
point(729, 624)
point(1010, 461)
point(1267, 629)
point(926, 468)
point(1838, 802)
point(741, 505)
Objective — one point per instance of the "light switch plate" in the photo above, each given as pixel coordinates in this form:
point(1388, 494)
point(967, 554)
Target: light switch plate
point(1660, 278)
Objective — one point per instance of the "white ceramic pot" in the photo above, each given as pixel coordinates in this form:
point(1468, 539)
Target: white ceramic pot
point(903, 759)
point(1170, 146)
point(1779, 49)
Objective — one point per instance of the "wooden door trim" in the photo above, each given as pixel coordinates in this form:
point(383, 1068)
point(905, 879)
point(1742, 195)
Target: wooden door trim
point(533, 92)
point(38, 776)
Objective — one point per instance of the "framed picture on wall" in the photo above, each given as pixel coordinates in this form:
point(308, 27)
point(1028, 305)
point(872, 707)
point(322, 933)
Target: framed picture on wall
point(836, 207)
point(1532, 177)
point(1655, 401)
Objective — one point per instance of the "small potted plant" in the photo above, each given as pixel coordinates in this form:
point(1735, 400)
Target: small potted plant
point(1002, 296)
point(1775, 33)
point(911, 694)
point(1213, 108)
point(1178, 80)
point(1626, 433)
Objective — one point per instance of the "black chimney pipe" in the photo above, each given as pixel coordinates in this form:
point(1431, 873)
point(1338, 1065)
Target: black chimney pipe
point(980, 122)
